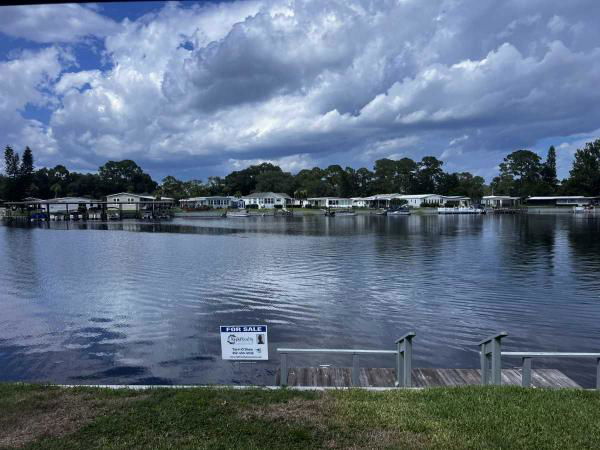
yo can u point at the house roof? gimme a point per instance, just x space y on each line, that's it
382 197
70 199
328 198
267 195
456 197
197 199
562 197
420 195
132 195
499 197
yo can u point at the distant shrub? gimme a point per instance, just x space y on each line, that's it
252 206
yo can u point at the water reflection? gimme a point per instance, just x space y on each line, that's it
140 302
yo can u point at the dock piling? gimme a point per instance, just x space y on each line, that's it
283 372
355 370
526 373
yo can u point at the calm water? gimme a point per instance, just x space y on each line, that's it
140 303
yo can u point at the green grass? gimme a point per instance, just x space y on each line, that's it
33 416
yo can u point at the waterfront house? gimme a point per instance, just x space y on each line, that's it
68 204
212 202
381 200
267 200
359 202
564 200
456 201
330 202
135 202
500 201
411 200
128 201
420 200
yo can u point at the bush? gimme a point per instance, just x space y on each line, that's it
253 206
278 206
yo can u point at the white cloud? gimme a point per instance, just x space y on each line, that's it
54 23
303 82
26 80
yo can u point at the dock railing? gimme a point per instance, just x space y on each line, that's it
404 360
528 356
491 361
403 354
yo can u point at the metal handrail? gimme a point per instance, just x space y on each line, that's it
528 356
491 363
404 360
331 350
552 354
403 354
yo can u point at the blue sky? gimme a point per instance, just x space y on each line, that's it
195 89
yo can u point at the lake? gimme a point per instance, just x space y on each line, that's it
133 302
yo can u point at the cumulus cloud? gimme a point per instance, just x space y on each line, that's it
303 82
54 23
27 80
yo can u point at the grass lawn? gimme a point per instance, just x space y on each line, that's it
35 416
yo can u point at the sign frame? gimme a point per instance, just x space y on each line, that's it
244 342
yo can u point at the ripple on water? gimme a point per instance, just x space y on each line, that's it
143 302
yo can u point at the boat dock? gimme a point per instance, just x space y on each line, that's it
421 378
405 376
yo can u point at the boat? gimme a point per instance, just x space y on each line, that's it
402 211
243 213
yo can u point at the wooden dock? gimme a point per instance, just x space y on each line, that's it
386 377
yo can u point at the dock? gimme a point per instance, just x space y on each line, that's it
421 378
405 376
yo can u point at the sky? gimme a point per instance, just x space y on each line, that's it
195 89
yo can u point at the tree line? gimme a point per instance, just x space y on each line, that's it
522 173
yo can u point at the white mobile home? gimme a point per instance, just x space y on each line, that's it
381 200
418 200
267 200
500 201
214 201
67 204
330 202
456 200
135 202
359 202
565 200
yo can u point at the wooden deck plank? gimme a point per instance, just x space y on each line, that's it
422 377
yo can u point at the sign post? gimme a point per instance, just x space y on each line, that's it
244 343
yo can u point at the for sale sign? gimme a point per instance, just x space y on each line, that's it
244 342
